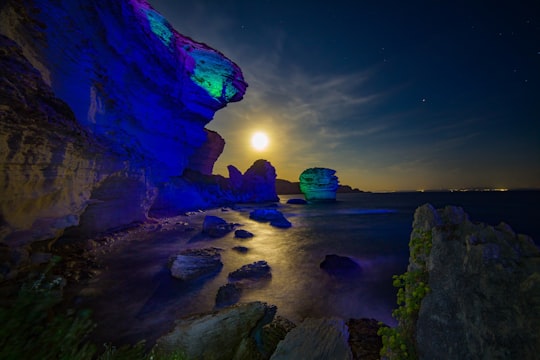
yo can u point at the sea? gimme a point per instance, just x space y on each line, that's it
136 298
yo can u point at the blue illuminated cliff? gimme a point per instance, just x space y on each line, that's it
102 105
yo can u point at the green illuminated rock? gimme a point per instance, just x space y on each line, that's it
319 184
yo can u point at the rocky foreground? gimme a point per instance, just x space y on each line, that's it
483 299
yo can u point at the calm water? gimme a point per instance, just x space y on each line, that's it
137 298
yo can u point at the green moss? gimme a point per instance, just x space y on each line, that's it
399 342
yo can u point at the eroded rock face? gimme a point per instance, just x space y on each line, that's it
51 164
319 184
485 289
102 107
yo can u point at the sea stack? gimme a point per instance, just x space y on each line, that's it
319 184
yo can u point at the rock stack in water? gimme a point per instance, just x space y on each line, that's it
319 184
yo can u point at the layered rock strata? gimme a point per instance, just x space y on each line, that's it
103 107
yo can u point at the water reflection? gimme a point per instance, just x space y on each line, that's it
137 298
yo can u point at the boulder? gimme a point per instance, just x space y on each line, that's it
339 265
215 226
484 281
319 184
193 264
242 234
231 333
256 271
228 295
316 339
275 217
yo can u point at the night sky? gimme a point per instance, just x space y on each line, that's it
394 95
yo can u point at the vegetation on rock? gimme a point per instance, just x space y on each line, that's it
399 342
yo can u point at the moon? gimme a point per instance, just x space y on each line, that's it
259 141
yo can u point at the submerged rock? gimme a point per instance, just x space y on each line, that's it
256 271
339 265
317 339
297 201
484 281
193 264
243 234
231 333
275 217
319 184
215 226
241 249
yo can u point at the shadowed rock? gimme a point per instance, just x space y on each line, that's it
339 265
275 217
363 339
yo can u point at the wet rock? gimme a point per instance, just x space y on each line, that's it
339 265
297 201
241 249
228 295
230 333
256 271
275 217
192 264
363 339
216 227
315 339
243 234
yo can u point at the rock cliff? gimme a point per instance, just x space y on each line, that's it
102 106
484 288
319 184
